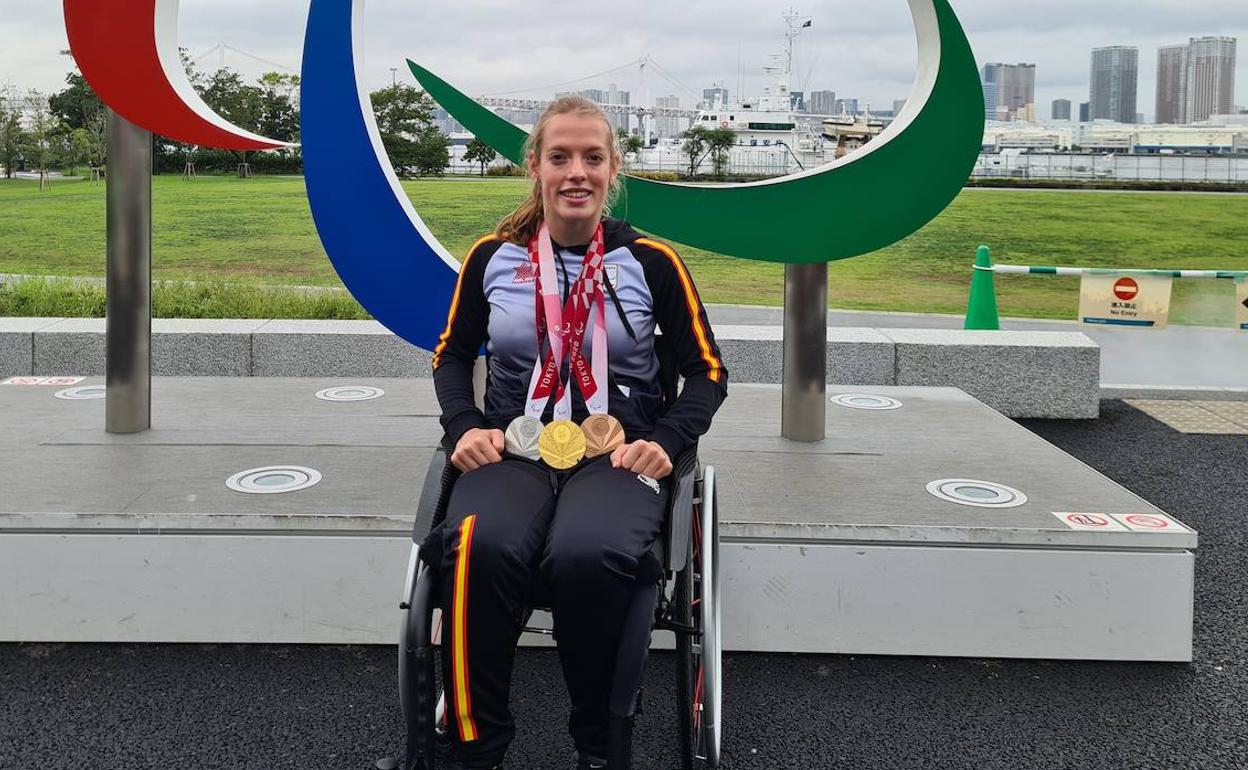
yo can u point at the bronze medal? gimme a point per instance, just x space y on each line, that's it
603 434
562 444
521 437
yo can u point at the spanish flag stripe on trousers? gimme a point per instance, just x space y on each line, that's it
691 299
459 658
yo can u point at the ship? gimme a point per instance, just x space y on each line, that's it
772 138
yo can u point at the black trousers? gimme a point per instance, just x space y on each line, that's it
578 539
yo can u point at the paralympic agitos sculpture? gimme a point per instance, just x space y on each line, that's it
397 269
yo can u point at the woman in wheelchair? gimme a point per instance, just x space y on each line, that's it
565 474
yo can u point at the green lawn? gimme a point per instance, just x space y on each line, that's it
260 231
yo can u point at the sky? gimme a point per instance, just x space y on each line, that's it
491 47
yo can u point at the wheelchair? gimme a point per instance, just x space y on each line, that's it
688 605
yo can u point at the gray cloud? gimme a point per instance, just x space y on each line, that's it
487 46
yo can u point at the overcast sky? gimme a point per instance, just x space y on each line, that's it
862 50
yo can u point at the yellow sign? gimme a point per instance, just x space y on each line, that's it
1125 300
1241 303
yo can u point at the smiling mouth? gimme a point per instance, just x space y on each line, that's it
576 195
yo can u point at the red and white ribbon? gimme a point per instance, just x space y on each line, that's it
564 327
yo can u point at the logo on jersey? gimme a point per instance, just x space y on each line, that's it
524 273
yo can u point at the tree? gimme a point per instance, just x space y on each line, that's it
279 118
237 102
42 138
719 141
479 152
12 136
77 105
630 144
696 143
404 117
83 120
431 154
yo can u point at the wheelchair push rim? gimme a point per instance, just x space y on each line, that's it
708 684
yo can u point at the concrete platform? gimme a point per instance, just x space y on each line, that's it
828 547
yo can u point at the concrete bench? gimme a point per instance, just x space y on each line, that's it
1020 374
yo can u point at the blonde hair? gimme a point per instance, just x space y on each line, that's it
520 225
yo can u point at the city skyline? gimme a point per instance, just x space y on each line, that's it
484 47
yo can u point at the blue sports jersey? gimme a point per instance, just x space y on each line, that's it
648 289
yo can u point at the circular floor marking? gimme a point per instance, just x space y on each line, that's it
82 393
273 479
981 494
350 393
866 401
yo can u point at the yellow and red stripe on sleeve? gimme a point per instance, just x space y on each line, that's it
459 634
459 285
714 367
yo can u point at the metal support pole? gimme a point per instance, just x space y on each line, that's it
128 335
803 395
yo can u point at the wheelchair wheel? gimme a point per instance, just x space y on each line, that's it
418 680
699 676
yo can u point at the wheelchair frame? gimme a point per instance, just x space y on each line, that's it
688 605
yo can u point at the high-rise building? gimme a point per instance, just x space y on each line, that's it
1016 84
990 100
845 106
1171 84
615 95
1061 109
797 101
1210 84
714 97
667 125
821 102
1115 75
1085 112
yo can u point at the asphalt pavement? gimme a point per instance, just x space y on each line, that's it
131 707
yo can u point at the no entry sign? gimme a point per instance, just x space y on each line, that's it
1125 300
1126 288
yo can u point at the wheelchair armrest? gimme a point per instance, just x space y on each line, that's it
434 493
680 508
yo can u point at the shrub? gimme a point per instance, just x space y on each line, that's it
658 176
509 170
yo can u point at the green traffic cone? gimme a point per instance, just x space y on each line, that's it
981 308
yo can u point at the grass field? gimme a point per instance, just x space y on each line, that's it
223 232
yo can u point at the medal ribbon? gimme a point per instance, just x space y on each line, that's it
565 327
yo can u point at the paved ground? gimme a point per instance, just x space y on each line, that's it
1176 357
212 706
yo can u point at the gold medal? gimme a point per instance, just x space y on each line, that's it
603 434
562 444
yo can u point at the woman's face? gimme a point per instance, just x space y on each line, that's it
575 169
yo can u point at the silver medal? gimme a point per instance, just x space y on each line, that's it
522 435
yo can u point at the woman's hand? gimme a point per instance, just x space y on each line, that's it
477 447
644 458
